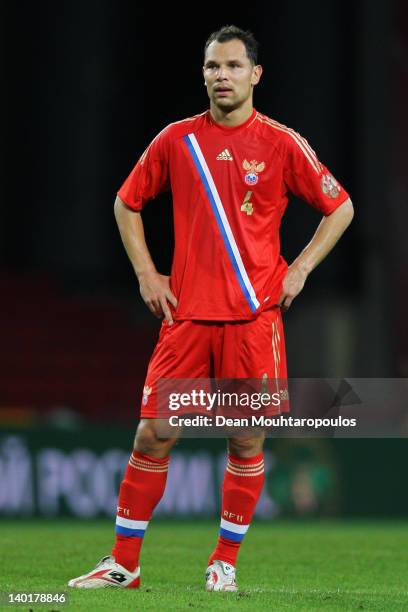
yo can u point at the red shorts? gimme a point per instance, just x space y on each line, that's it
223 350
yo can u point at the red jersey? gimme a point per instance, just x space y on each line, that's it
230 189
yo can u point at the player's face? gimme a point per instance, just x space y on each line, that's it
229 74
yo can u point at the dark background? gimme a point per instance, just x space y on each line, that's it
86 86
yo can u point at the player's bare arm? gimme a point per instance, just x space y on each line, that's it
327 234
154 287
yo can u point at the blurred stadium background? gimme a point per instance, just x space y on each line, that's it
86 87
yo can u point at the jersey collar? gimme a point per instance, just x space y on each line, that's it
234 128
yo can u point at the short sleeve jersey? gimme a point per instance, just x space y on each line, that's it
230 189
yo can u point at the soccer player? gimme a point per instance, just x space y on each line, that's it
230 170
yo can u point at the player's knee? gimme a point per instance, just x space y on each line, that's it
147 440
245 447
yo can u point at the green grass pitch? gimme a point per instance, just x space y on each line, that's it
282 566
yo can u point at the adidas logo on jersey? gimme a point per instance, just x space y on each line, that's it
225 155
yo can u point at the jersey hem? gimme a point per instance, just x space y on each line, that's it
337 204
137 208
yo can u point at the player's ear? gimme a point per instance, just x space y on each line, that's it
256 74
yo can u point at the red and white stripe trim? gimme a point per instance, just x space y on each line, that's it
276 352
246 468
148 466
251 469
251 122
275 348
300 141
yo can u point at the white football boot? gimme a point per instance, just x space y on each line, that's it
220 576
107 574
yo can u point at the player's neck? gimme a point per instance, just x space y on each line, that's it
232 118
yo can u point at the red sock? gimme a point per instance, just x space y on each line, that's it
140 492
241 489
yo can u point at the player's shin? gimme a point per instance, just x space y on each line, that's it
241 489
140 491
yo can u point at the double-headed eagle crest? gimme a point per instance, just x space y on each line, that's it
253 166
252 169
